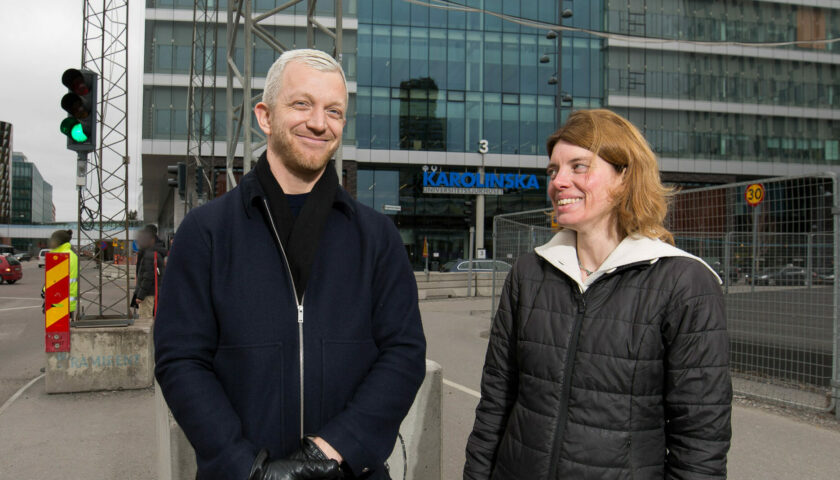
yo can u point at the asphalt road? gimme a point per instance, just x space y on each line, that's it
21 330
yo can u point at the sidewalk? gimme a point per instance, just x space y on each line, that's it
110 435
85 436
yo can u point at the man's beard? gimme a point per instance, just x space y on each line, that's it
306 163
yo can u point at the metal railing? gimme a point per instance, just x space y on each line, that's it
778 261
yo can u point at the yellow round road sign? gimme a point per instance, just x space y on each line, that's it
754 194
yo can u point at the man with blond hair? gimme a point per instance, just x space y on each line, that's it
288 338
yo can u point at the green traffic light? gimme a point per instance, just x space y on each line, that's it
77 133
74 129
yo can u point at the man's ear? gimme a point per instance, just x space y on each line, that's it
263 114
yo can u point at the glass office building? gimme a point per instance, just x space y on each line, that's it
31 194
723 96
718 105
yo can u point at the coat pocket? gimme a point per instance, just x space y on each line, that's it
253 379
346 363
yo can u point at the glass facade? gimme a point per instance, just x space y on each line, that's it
439 218
436 81
764 103
459 76
31 195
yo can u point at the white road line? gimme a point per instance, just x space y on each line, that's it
18 308
458 386
17 394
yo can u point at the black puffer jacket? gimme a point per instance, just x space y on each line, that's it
628 380
146 272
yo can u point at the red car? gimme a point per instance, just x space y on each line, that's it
10 270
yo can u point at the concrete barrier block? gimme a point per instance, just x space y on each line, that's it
103 358
416 455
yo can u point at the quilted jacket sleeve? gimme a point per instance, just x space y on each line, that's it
498 387
698 390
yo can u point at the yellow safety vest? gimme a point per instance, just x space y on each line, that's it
74 272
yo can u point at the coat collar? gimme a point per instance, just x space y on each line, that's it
561 252
63 248
252 192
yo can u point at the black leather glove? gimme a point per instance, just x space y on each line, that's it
289 469
308 451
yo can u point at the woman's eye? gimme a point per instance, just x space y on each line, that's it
580 167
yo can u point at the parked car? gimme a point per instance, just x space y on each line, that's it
789 275
42 257
478 266
824 276
23 256
734 273
7 250
10 270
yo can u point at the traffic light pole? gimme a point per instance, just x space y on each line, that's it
102 174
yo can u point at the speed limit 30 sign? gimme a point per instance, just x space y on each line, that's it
754 194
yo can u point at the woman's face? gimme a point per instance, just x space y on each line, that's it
580 188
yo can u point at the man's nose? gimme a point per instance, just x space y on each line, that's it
317 121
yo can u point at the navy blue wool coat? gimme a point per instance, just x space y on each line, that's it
226 336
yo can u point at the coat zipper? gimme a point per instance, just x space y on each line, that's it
299 305
568 371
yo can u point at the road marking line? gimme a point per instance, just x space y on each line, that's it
18 308
458 386
17 394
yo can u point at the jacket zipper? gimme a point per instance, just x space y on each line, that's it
568 371
299 305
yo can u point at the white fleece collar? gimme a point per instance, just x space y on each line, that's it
561 252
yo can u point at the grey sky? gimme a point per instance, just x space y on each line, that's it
41 39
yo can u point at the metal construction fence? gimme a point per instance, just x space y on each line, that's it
773 243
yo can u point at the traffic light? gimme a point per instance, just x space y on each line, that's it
80 103
199 181
180 180
468 212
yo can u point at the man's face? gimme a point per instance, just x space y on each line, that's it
142 239
304 127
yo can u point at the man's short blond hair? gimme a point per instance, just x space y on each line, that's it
311 58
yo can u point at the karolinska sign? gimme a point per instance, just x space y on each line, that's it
469 183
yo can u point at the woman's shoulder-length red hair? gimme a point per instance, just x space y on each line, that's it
642 201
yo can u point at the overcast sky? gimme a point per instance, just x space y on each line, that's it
41 39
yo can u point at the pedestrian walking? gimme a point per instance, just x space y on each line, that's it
288 341
608 357
151 258
59 242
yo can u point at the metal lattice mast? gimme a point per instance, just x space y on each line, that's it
103 200
239 114
201 99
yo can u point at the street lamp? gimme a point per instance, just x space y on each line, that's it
555 79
